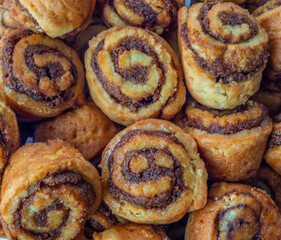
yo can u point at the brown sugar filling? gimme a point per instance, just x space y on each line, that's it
52 71
153 172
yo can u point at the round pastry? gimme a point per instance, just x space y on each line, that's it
133 74
86 128
152 173
80 44
132 231
7 23
157 16
273 153
60 18
231 142
100 220
40 77
9 134
269 16
270 96
48 191
224 51
235 211
269 181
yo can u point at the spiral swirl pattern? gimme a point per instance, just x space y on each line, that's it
133 74
153 166
157 15
40 71
56 189
235 211
224 46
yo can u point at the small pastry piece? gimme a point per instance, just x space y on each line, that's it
60 18
269 16
133 74
9 134
157 16
231 142
270 96
40 77
86 128
7 23
48 191
267 180
152 173
81 42
224 51
235 211
132 231
100 220
273 154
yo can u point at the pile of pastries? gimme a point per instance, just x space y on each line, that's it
145 120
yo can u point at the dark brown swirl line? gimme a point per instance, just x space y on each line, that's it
153 172
53 181
52 71
130 74
142 8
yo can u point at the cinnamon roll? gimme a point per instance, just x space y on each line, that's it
133 74
100 220
132 231
86 128
152 173
273 153
60 18
9 134
7 23
40 77
269 16
224 51
157 16
231 142
235 211
267 180
48 191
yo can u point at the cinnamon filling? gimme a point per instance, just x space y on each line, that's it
274 140
230 127
53 71
218 68
72 180
142 8
136 74
152 173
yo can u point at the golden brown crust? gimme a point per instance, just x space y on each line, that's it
132 231
272 154
269 16
224 51
152 173
157 16
267 180
9 132
61 18
231 142
55 187
86 128
133 74
235 211
40 77
7 23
